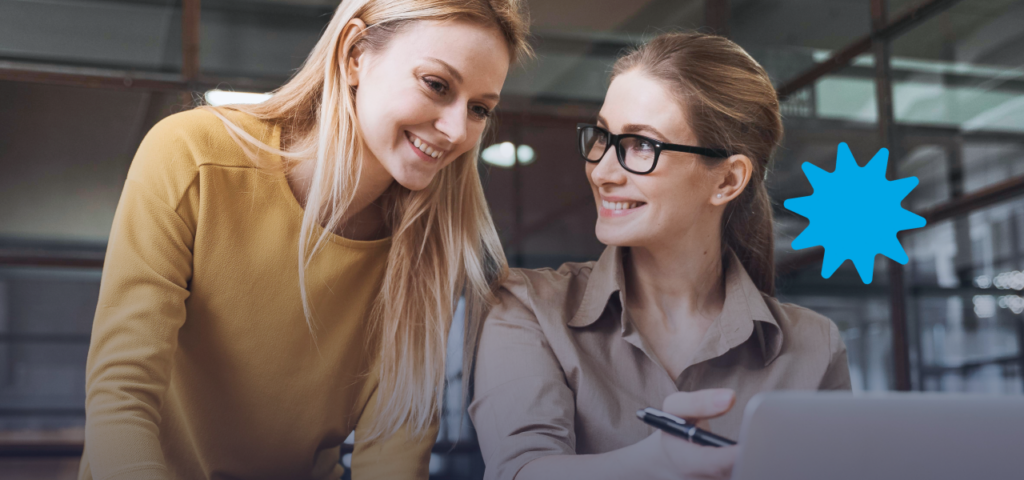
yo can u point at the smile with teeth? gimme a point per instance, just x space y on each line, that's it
620 205
424 147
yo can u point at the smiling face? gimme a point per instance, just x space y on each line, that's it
675 201
424 99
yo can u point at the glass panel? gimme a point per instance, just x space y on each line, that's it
45 321
788 38
991 159
266 38
966 279
577 41
963 68
144 35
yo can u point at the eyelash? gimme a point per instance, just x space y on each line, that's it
486 113
438 87
441 89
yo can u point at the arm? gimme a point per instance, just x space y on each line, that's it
837 375
524 413
522 408
659 456
405 455
141 308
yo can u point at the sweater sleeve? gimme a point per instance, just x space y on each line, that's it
402 456
146 274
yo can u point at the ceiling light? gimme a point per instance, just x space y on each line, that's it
505 154
217 98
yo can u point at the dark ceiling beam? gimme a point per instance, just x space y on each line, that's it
38 257
190 11
844 56
124 79
716 16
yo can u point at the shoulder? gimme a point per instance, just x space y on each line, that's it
804 329
168 162
198 137
551 296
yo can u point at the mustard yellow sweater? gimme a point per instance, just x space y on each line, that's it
201 364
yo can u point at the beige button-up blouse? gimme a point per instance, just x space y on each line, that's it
562 370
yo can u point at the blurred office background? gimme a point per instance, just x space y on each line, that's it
938 82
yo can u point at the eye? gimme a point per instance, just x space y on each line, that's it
643 146
438 86
480 111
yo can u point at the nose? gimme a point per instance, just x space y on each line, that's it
452 123
608 171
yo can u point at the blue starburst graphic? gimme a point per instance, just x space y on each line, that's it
855 213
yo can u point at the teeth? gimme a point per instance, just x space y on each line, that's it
619 205
425 148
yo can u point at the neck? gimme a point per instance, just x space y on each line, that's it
680 284
364 219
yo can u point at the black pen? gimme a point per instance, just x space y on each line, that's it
681 428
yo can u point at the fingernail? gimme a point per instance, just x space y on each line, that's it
723 399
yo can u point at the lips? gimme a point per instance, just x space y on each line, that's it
427 149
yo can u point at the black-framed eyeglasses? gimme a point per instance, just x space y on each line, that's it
637 154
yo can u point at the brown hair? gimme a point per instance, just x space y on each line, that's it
730 103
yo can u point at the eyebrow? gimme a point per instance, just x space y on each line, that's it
458 76
635 128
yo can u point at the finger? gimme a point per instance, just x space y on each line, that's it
718 462
698 461
700 404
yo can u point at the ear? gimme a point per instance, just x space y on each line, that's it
732 176
350 56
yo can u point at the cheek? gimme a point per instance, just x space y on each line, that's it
384 113
475 130
678 201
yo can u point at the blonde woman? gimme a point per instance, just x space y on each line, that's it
282 274
678 313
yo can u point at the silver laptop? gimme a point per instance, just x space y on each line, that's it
905 436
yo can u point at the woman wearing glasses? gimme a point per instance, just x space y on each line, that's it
678 312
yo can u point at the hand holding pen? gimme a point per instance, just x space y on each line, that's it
681 428
689 459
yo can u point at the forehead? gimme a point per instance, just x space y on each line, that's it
635 98
476 50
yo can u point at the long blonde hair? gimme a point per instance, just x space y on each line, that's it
443 238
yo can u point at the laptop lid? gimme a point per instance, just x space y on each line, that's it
841 436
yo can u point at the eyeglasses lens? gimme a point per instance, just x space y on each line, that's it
639 154
593 143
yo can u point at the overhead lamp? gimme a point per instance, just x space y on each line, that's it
506 154
217 97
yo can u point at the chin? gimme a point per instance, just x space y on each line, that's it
615 237
414 183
